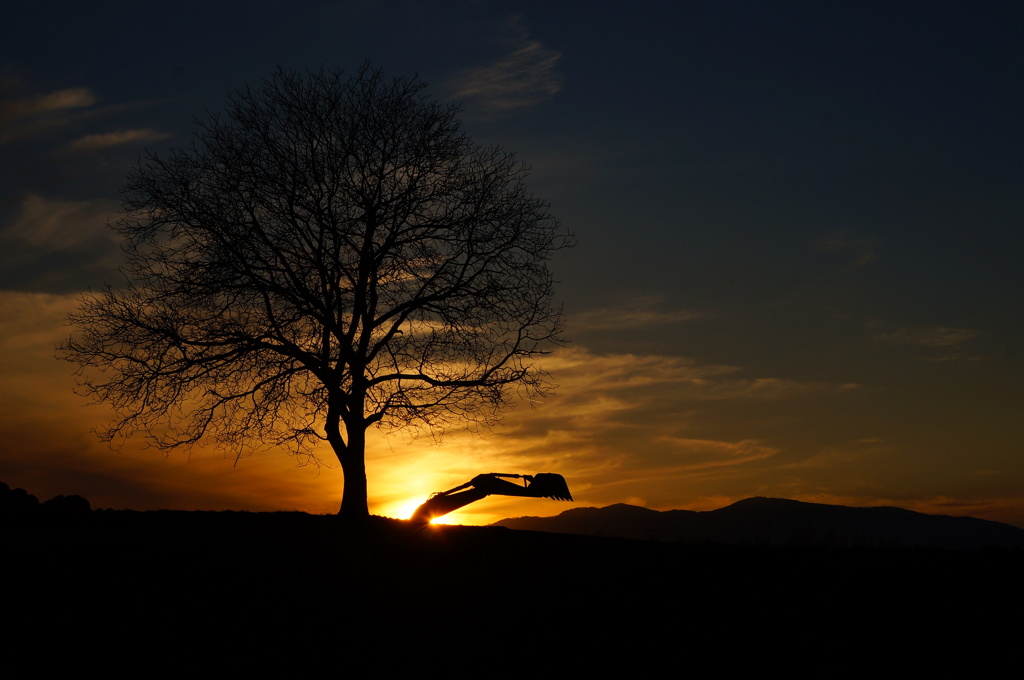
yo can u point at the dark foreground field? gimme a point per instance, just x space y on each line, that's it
508 589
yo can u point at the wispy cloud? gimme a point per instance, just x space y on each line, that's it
641 313
23 116
929 336
54 225
937 343
591 374
704 455
108 139
523 76
30 325
72 98
860 249
56 246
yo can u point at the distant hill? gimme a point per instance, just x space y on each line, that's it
780 522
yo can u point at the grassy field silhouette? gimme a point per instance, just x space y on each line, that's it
387 580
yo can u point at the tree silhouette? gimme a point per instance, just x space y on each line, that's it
330 253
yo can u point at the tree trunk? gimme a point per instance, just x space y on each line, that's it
353 465
352 456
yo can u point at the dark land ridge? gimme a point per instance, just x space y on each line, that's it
782 523
174 575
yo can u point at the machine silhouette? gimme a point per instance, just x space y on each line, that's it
541 485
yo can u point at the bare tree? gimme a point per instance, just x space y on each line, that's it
330 253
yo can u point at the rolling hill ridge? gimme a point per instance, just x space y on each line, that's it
780 522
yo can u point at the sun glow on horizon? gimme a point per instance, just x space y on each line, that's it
405 509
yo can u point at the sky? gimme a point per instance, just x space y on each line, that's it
798 269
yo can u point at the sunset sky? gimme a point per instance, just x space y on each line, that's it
798 271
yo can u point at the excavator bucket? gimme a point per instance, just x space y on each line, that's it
550 485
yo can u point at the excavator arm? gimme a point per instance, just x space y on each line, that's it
541 485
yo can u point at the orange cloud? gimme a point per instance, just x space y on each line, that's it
21 117
72 98
523 76
108 139
55 225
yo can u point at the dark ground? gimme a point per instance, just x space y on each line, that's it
591 597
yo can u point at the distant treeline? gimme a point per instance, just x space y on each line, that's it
19 501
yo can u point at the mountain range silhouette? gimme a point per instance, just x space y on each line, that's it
774 522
